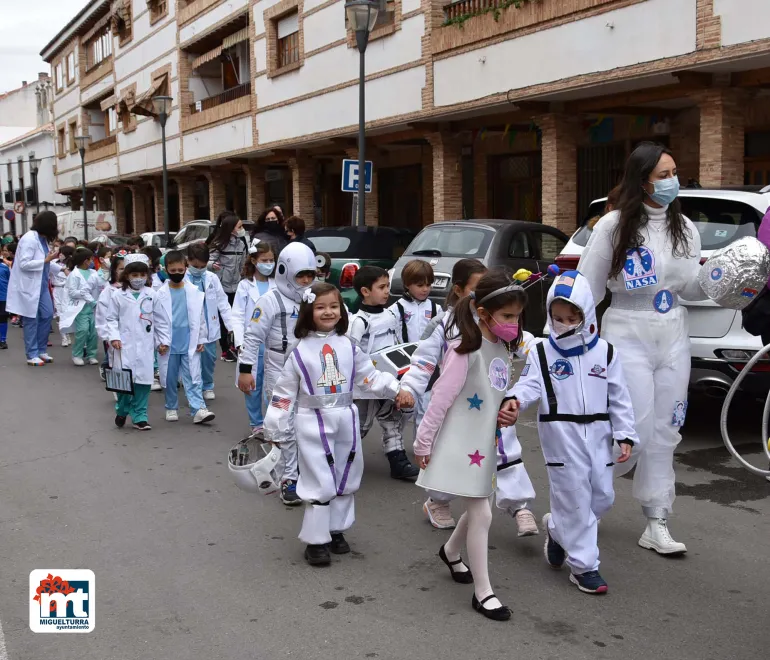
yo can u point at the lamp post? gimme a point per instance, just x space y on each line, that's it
82 142
162 106
362 15
34 166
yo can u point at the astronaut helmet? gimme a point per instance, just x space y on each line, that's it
293 259
253 465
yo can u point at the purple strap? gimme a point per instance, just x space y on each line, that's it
353 377
344 481
500 447
303 370
325 442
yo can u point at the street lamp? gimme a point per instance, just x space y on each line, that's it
34 166
362 15
82 142
162 106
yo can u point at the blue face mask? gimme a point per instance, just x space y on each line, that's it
195 273
666 190
265 268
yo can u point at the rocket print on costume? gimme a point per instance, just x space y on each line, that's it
332 379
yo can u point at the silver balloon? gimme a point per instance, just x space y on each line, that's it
733 276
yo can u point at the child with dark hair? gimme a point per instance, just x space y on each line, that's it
462 420
103 305
102 262
374 328
59 286
257 281
6 261
414 309
317 382
216 309
83 289
156 262
323 263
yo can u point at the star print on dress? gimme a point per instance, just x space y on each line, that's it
476 458
475 402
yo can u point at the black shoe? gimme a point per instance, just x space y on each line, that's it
289 493
501 613
463 577
3 345
339 546
120 421
318 555
400 467
142 426
229 356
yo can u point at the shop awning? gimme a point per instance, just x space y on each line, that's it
120 13
109 102
207 57
228 42
143 103
241 35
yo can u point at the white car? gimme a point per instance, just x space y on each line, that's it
157 238
720 347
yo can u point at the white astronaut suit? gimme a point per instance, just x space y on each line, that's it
513 488
317 383
584 407
272 324
648 325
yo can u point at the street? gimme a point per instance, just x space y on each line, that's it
188 566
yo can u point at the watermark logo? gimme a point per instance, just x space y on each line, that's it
61 601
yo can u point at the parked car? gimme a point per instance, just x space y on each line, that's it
512 243
351 248
720 347
158 238
197 231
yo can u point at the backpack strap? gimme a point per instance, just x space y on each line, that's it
546 374
432 309
282 315
404 329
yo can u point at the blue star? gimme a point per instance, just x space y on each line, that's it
475 402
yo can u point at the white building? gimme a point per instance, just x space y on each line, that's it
23 148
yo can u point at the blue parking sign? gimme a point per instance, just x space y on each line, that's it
350 176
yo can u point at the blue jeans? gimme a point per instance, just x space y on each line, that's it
254 398
37 328
208 361
179 365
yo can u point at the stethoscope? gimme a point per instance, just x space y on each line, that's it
145 313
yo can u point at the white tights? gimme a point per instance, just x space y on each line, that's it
473 531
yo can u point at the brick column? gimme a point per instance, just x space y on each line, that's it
255 190
186 187
75 201
721 137
427 186
480 190
447 177
303 183
685 143
559 153
137 202
104 199
157 191
217 195
120 209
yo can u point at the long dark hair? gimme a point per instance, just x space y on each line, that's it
225 226
631 196
261 222
306 325
116 260
464 325
461 274
46 224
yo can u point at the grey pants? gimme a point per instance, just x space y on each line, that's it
391 420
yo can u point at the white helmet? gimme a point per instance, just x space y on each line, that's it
253 466
294 258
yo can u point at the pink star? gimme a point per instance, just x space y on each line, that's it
476 458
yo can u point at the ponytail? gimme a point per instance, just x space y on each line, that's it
464 324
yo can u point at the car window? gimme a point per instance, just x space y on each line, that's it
720 221
181 236
519 247
453 241
331 244
548 246
196 233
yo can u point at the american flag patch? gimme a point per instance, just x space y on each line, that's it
278 402
426 366
566 280
428 314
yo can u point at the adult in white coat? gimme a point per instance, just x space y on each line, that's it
648 254
133 332
28 294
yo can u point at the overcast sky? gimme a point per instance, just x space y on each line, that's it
25 27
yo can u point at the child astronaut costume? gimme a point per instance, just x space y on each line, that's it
584 407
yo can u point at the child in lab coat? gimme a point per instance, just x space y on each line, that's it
83 289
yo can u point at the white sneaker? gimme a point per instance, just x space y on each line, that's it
78 362
439 514
208 395
93 361
155 387
203 416
526 523
172 416
657 537
65 341
45 358
35 362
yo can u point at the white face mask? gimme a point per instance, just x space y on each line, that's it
560 328
137 284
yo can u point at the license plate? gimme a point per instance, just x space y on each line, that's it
440 282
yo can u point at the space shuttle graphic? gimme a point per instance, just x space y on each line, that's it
331 377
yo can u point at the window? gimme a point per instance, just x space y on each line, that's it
73 132
30 194
10 172
387 13
20 191
520 248
71 68
550 246
111 121
60 142
720 221
99 48
59 77
120 21
288 39
158 9
452 241
9 193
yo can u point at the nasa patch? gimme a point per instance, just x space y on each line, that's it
598 371
716 274
664 301
639 270
294 313
498 374
408 316
561 369
256 315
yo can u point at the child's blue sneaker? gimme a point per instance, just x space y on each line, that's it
554 553
590 582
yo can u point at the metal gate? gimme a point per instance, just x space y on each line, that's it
600 168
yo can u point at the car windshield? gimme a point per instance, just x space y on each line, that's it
332 245
452 241
118 240
159 240
718 221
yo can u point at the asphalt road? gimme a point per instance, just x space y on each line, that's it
187 566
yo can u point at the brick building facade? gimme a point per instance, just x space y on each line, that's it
524 112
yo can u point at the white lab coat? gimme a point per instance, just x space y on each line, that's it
217 304
26 275
102 307
123 322
163 319
246 296
79 292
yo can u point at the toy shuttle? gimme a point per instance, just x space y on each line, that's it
331 376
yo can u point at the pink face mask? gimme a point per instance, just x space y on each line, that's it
505 331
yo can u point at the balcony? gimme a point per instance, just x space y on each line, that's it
219 99
102 149
230 103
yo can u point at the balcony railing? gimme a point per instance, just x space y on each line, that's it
218 99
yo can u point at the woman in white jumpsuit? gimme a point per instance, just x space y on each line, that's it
648 255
